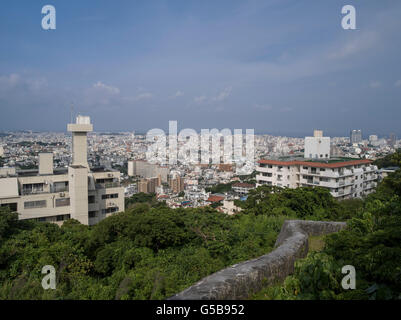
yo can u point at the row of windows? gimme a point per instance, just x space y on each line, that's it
62 202
61 217
35 204
110 196
110 210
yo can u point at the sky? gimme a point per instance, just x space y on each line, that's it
283 67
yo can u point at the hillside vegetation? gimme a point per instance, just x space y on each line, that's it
152 252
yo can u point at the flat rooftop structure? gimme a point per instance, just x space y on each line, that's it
35 172
103 169
57 171
332 163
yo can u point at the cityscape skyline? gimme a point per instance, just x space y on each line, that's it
279 67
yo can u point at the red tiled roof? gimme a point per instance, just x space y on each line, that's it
215 198
316 164
243 185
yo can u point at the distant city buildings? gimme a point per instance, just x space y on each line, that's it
176 183
55 195
373 139
122 154
392 139
145 169
356 136
149 185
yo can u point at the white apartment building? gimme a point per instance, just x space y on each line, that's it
344 179
145 169
242 188
317 147
55 195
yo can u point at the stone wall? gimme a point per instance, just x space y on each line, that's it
243 279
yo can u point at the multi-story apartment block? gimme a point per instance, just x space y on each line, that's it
149 185
176 183
344 179
55 195
145 170
355 136
242 188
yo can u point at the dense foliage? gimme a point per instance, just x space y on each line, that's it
151 251
304 203
371 243
391 160
143 253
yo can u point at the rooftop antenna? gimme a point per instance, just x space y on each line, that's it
71 116
72 111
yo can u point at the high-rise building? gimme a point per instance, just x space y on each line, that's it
373 139
317 147
176 183
392 139
356 136
55 195
149 185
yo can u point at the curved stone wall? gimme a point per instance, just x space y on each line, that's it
243 279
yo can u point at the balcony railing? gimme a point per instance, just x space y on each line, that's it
107 185
29 192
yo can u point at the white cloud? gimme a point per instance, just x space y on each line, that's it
375 84
10 80
398 83
223 95
109 89
143 96
19 85
357 44
179 93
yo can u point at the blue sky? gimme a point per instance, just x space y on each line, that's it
276 66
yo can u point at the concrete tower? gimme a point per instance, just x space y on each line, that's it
79 131
79 168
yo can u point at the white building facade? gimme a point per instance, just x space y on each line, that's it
345 179
317 147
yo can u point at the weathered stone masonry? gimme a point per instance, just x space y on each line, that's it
241 280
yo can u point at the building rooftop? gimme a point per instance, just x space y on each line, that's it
333 163
56 171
